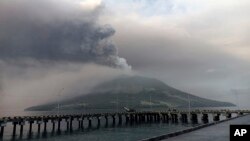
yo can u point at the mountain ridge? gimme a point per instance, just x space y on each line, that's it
133 91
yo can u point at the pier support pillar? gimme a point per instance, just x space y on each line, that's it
79 123
67 123
120 119
194 118
158 117
150 118
205 118
90 123
2 125
2 131
45 121
127 119
229 115
98 122
21 123
113 117
142 118
147 118
71 122
30 126
82 119
174 118
165 118
184 118
53 125
39 126
107 121
216 117
14 128
59 125
131 118
136 118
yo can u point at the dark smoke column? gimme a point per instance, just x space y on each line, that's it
52 31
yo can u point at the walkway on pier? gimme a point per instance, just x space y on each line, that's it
218 132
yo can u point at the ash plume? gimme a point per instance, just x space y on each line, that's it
47 45
53 30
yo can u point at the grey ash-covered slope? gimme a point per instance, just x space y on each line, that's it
133 91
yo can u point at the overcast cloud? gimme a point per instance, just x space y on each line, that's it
198 46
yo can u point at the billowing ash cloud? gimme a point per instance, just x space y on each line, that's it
56 30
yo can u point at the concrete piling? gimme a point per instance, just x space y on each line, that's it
53 125
21 123
184 118
2 131
174 118
228 115
98 122
39 126
71 122
14 128
216 117
2 125
67 123
119 119
113 117
45 120
59 125
127 119
194 118
205 118
31 121
106 120
82 118
165 117
90 122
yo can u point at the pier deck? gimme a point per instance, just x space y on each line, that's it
218 132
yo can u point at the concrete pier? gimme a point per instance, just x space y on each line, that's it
217 132
134 118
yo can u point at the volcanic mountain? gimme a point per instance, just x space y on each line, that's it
134 92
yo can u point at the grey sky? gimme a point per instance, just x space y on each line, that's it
197 46
201 47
